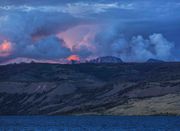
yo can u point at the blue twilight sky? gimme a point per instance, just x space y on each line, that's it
52 30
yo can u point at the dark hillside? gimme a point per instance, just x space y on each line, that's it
109 89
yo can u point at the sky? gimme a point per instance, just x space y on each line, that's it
56 30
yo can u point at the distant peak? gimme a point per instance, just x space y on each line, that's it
106 59
151 60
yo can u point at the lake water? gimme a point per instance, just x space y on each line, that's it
89 123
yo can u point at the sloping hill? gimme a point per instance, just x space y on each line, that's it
109 89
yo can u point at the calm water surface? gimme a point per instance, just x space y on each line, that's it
88 123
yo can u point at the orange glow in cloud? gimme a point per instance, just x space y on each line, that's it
76 37
5 48
73 58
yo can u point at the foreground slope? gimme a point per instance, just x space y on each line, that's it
108 89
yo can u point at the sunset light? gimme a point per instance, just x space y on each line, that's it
5 48
73 58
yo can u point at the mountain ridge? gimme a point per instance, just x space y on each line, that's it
106 59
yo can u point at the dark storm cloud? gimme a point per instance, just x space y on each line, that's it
48 48
134 30
33 30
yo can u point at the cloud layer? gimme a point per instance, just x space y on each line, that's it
133 30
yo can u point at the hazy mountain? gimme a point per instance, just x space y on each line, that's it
106 59
154 61
108 89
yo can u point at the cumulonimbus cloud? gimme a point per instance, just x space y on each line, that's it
136 48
